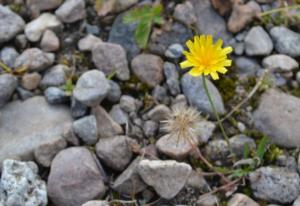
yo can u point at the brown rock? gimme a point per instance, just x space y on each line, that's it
31 81
50 41
148 68
222 6
75 178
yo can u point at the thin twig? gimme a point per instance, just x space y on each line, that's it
279 10
249 96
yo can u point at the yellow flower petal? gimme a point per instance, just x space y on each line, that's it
185 64
195 72
214 75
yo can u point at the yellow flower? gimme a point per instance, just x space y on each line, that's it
206 57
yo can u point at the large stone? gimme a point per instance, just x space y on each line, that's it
21 185
111 58
275 184
91 88
8 84
10 25
286 41
280 62
258 42
75 178
148 68
166 177
278 117
209 21
194 91
20 137
71 11
35 29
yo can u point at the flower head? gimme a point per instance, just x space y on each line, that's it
206 57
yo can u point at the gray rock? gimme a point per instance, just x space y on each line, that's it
69 135
240 199
111 58
11 24
8 84
238 48
209 21
258 42
50 42
123 34
88 42
217 150
35 29
107 127
286 41
118 115
75 178
166 177
71 11
128 104
23 93
114 93
109 150
55 76
279 121
21 184
174 51
247 66
239 142
150 128
275 184
8 56
21 41
158 113
78 109
172 77
287 161
96 203
193 89
42 5
86 129
91 88
206 130
55 95
34 59
280 62
148 68
208 200
108 6
297 202
129 182
185 13
31 81
19 140
45 153
160 94
179 101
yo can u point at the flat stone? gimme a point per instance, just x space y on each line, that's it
10 25
75 178
111 58
71 11
35 29
19 140
279 121
166 177
8 84
280 62
42 5
275 184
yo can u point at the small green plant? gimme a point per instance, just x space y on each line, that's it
145 17
19 71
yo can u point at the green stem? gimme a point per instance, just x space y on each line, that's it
216 113
5 67
280 9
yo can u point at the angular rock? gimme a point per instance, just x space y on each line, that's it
78 109
242 15
35 29
71 11
115 151
86 129
34 59
75 178
118 115
55 76
111 58
107 127
21 184
258 42
8 56
19 140
88 42
10 25
286 41
275 184
49 42
8 84
280 62
148 68
240 199
31 81
129 182
279 121
91 88
185 12
166 177
193 89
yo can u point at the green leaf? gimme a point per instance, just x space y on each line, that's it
262 148
246 151
240 172
142 33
